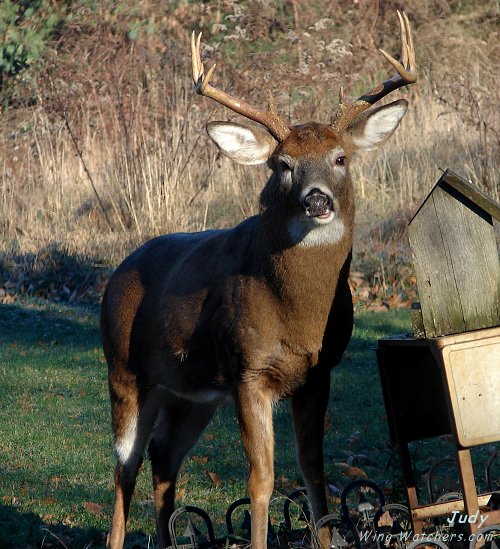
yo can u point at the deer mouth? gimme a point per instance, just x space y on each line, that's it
318 204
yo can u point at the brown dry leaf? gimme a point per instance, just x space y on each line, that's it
11 500
68 520
354 472
49 519
93 508
215 478
180 493
209 436
48 501
386 519
334 500
356 279
285 483
394 301
200 459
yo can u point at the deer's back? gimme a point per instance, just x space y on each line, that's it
195 313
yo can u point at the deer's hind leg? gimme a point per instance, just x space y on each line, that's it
133 417
179 425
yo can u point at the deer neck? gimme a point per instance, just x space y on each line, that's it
304 277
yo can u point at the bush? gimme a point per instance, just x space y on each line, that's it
25 28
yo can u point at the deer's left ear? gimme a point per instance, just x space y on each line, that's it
372 128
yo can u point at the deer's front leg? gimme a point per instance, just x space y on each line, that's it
309 408
256 424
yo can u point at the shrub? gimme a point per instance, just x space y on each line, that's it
25 28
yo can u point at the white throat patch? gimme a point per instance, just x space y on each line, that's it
316 232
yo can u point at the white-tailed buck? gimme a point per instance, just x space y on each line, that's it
256 313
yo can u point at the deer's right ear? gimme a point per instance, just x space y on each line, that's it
243 144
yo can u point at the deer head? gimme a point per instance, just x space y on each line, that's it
310 162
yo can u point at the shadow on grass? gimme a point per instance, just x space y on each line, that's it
25 530
21 530
370 326
55 274
38 322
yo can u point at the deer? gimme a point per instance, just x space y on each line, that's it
251 314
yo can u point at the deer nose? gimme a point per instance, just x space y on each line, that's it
316 203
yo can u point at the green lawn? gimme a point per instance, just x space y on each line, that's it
56 458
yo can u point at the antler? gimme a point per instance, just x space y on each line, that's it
406 74
270 118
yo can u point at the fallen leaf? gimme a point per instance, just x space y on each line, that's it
200 459
355 280
394 301
11 500
285 483
48 519
48 501
180 493
386 519
354 472
334 500
215 478
93 508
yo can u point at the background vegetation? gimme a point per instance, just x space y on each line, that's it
102 140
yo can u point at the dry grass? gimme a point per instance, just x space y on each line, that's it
107 154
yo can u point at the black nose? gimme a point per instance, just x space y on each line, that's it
317 203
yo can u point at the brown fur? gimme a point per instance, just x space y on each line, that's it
189 319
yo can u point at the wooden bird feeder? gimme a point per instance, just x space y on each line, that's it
455 254
445 379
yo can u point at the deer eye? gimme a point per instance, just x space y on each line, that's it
340 160
284 166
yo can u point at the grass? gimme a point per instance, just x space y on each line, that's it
56 440
56 455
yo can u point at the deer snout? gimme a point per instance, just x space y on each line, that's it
317 203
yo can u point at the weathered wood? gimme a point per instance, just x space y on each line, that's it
456 260
472 193
472 373
446 508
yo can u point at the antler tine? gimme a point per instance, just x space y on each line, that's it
270 119
403 25
406 74
407 68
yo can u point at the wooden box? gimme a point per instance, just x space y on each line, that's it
445 385
456 262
